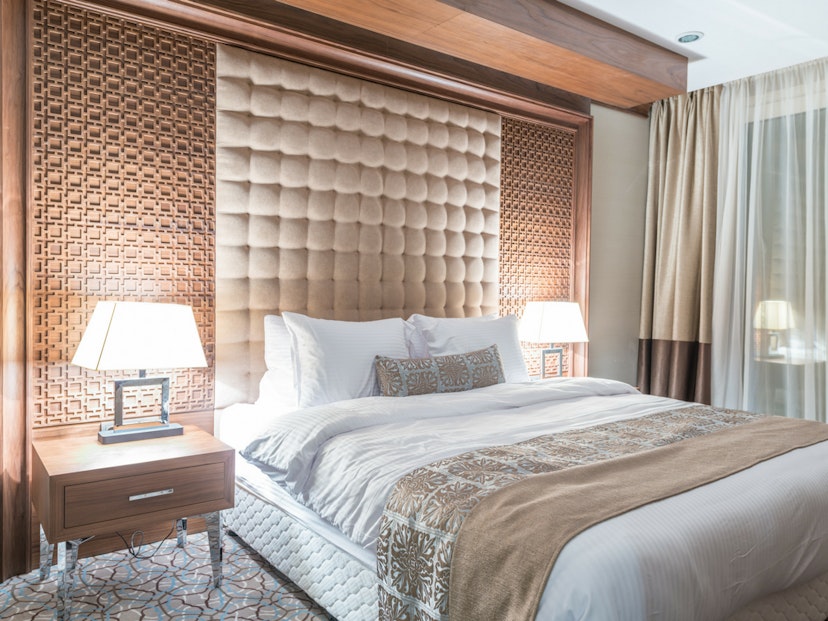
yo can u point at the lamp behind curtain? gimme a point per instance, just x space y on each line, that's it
676 305
771 248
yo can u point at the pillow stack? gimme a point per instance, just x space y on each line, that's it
317 361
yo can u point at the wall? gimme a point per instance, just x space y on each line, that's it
106 178
619 189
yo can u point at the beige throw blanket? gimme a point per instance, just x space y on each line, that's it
493 549
419 551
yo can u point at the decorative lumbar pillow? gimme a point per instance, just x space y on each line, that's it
402 377
334 360
455 336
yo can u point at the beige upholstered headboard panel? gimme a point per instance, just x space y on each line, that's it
344 199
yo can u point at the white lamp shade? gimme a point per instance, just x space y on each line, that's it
552 322
773 315
140 335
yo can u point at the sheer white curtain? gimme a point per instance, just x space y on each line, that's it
769 300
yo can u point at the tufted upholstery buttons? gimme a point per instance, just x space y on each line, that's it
344 199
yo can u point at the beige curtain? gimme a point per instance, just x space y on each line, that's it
676 305
770 316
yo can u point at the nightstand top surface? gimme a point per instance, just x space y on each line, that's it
74 454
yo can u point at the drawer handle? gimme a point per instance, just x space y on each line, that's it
160 492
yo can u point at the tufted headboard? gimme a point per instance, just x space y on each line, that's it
341 198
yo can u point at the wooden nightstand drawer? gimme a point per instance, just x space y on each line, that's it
142 494
81 487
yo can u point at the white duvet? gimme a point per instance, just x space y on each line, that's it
701 555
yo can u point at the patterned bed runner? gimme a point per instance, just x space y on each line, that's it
418 539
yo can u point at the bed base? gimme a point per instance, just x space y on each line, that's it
348 590
333 579
806 602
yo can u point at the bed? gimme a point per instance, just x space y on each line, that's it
324 462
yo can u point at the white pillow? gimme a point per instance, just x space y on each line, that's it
334 360
458 336
417 344
276 389
277 385
277 343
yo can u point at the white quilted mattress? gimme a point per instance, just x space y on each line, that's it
337 573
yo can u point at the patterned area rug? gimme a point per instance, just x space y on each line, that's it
173 584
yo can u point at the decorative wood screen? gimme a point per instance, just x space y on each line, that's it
537 200
123 198
122 195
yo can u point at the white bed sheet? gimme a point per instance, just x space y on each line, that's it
701 555
237 425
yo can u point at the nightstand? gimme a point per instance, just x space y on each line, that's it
81 488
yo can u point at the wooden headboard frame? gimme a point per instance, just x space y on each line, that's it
294 34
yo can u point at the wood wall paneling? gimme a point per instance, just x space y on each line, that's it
544 220
14 427
123 196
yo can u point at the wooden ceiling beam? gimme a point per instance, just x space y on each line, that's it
582 34
540 40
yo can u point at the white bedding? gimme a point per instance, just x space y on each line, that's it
255 480
700 555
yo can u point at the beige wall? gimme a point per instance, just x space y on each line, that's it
619 186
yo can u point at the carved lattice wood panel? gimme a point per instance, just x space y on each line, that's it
537 193
122 196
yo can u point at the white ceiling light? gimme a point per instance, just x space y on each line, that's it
689 37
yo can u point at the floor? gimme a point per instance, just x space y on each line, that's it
172 583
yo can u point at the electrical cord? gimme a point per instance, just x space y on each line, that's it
130 546
136 553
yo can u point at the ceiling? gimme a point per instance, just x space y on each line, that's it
741 37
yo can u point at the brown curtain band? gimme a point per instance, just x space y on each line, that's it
676 369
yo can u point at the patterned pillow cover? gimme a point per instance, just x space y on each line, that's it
402 377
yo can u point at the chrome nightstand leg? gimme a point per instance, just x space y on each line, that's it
46 551
67 560
214 537
181 532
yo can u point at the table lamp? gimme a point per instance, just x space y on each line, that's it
140 335
772 317
552 322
